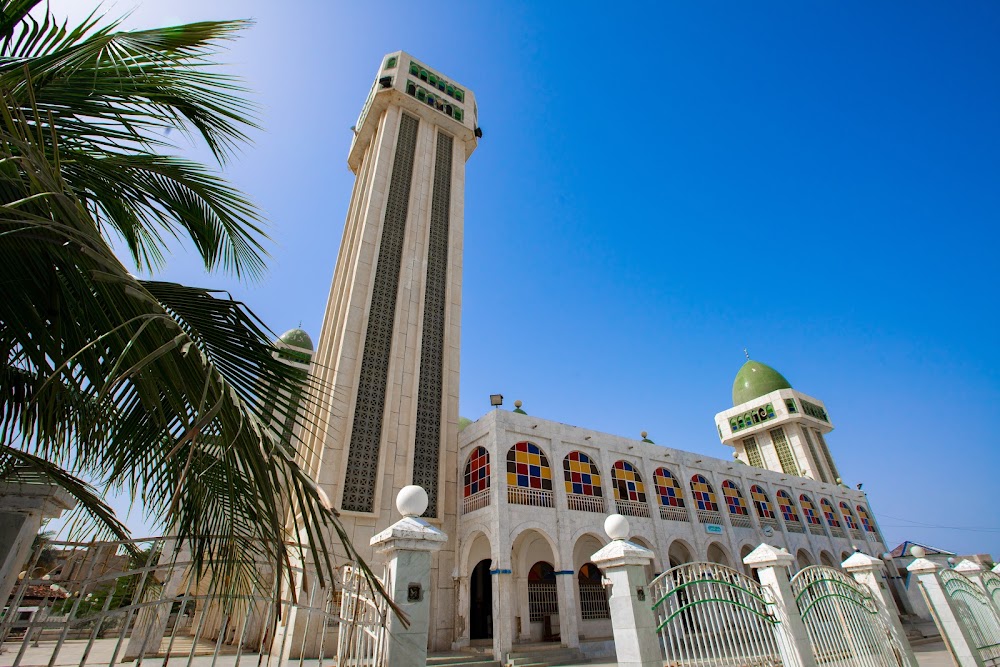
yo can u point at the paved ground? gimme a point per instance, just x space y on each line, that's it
72 654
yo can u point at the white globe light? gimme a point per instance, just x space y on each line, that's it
917 552
616 526
411 501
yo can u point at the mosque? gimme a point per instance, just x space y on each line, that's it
523 499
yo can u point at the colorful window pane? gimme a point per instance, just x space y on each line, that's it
761 502
528 467
734 499
866 520
809 510
849 519
788 512
667 488
627 483
581 475
704 495
831 516
590 574
477 471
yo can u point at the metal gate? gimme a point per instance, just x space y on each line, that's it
991 580
847 626
709 614
105 603
976 612
363 617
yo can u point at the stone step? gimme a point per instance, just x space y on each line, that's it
462 660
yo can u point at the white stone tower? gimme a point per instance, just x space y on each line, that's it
775 427
389 348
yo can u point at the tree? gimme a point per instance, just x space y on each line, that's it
150 388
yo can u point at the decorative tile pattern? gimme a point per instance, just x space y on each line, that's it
826 454
814 410
788 512
809 510
866 520
528 467
849 519
752 449
366 431
815 456
627 483
734 499
427 443
703 494
752 417
477 472
763 504
667 488
831 516
581 475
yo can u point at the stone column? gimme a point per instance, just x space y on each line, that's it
952 630
24 503
407 546
868 571
624 563
151 622
569 624
772 564
504 602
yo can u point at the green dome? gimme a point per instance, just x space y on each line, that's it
756 379
297 338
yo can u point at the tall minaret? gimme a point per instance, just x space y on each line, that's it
776 427
389 348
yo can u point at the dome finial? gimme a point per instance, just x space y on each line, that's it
746 353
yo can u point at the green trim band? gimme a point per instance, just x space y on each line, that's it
710 581
767 617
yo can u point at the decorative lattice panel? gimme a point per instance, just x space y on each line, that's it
427 446
366 433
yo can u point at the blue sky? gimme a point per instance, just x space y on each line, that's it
663 184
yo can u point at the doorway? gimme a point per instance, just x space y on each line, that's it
481 602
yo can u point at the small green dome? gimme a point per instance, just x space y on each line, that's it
297 338
756 379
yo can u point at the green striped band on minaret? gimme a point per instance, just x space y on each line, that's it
427 445
366 433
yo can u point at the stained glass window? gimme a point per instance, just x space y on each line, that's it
788 512
528 467
809 510
667 488
761 502
831 516
477 471
866 520
734 499
849 519
627 482
704 494
582 476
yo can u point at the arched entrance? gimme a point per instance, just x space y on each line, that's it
543 600
481 602
803 559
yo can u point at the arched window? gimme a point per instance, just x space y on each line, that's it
667 488
831 516
849 519
527 467
763 504
788 512
627 482
734 499
866 520
809 510
703 494
593 595
477 472
582 476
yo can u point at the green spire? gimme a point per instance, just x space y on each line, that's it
754 380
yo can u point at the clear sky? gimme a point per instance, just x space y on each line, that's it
663 184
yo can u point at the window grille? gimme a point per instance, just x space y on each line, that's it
542 600
753 452
784 451
594 602
815 455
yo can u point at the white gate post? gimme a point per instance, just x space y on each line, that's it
771 565
407 546
952 630
868 572
972 570
624 563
